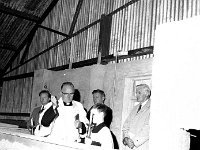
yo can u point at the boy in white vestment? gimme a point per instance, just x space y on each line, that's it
100 135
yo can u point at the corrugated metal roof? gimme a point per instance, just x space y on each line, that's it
4 57
17 19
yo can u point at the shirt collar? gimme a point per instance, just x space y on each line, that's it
61 102
46 106
143 103
67 104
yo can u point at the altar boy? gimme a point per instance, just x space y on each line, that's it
100 135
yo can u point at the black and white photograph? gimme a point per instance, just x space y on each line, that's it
99 74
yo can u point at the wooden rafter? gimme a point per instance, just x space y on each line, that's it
18 14
52 30
28 17
45 14
78 8
30 38
74 34
105 60
104 35
20 76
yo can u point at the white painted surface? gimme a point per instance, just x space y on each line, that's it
175 84
13 140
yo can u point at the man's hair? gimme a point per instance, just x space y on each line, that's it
99 91
146 88
68 84
45 92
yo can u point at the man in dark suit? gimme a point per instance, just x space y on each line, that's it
33 122
98 97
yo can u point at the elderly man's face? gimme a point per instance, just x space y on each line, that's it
140 95
98 98
67 93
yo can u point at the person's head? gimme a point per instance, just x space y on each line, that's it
143 92
98 96
99 111
67 90
45 97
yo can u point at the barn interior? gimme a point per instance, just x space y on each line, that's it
102 44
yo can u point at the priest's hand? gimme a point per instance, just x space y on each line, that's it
54 101
77 124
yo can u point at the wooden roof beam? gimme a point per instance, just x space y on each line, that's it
52 30
28 17
19 14
78 8
74 34
45 14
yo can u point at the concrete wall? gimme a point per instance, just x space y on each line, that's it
112 78
85 80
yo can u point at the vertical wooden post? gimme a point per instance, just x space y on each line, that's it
104 37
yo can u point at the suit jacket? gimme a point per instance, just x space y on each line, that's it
49 115
136 127
35 117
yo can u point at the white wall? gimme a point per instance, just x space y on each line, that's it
175 84
110 78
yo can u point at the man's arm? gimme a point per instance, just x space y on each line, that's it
49 116
126 126
82 114
82 121
31 123
125 132
88 113
28 123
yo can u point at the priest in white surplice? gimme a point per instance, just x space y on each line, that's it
71 116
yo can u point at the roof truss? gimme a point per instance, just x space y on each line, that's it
38 22
72 34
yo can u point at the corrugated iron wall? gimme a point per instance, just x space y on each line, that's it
133 27
16 97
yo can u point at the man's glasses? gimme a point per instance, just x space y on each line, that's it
68 93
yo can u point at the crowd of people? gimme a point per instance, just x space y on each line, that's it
66 120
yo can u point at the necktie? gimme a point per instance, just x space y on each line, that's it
139 108
41 110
